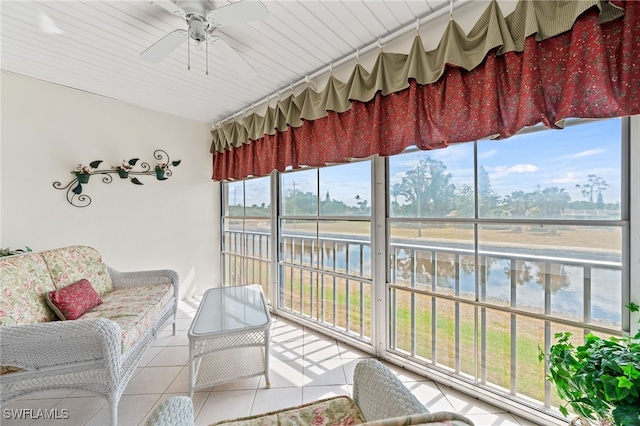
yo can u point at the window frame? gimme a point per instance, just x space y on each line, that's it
380 244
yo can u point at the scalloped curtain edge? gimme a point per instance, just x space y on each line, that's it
392 72
589 72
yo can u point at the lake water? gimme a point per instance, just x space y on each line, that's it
566 281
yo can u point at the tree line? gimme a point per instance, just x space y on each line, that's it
427 190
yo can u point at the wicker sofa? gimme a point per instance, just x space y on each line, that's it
379 399
97 352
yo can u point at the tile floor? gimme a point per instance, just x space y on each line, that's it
305 366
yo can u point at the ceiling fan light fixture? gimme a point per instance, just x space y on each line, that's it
197 28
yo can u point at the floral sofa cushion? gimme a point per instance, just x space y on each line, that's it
24 281
68 265
340 410
133 309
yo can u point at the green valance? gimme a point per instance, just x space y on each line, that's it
392 72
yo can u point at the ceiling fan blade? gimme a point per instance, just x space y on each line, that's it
238 13
163 47
170 7
237 62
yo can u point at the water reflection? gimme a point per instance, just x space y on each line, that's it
421 267
352 257
416 268
527 272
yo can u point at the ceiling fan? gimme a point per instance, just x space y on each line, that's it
203 20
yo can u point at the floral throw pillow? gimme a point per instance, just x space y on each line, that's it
72 301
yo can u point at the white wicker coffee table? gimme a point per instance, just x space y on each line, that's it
229 337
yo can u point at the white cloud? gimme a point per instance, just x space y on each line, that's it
589 153
502 171
567 177
523 168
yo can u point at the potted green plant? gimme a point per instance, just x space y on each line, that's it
600 379
82 173
160 170
124 169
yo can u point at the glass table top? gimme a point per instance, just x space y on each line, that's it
229 309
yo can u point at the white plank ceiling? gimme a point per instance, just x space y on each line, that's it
94 46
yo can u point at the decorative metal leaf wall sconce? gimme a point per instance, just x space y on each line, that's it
126 170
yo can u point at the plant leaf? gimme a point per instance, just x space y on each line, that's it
630 371
135 181
623 382
627 415
133 161
77 189
541 354
95 164
564 411
176 163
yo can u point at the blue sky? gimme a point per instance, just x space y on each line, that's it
561 158
342 182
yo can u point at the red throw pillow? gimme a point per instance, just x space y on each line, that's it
74 300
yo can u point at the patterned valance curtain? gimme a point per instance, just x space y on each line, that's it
545 62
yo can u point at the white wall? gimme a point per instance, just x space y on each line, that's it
48 129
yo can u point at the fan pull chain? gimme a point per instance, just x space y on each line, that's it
206 54
188 53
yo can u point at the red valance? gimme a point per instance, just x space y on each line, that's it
592 71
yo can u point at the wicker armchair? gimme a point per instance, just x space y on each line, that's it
176 411
381 395
84 354
381 398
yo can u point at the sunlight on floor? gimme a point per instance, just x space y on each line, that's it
305 366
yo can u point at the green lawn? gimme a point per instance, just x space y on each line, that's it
530 334
327 299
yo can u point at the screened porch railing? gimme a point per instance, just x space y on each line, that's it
483 324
